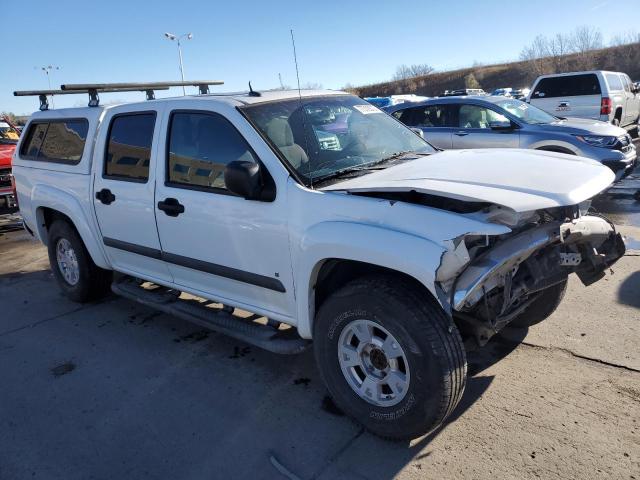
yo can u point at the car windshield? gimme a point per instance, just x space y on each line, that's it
526 112
322 137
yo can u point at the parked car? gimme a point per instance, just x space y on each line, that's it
520 93
505 92
598 95
8 140
386 252
498 122
464 92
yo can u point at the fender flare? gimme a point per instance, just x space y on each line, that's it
45 196
403 252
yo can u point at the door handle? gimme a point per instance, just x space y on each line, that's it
171 207
461 133
105 196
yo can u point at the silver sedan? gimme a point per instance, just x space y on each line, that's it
499 122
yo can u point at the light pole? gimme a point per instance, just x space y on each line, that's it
47 70
177 38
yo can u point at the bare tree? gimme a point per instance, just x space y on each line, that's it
404 72
586 38
627 38
471 82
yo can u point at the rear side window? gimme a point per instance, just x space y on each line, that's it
129 147
200 147
56 141
567 86
613 80
432 116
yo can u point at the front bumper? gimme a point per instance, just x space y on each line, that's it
622 163
590 242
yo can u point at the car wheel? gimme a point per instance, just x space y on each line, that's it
390 357
615 122
78 277
542 307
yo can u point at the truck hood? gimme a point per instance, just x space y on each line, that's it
582 126
522 180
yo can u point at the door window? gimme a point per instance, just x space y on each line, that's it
429 116
201 145
613 79
475 116
129 147
567 86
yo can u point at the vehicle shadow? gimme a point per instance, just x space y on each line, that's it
156 394
629 291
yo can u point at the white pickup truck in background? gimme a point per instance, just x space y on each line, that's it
598 95
327 220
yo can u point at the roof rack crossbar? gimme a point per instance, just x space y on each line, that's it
94 99
93 89
201 84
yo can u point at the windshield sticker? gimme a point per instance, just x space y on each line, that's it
524 106
367 109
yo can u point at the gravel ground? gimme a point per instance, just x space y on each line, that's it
115 390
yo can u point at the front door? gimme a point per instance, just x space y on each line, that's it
475 129
124 185
227 248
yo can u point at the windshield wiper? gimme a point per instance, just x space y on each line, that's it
363 167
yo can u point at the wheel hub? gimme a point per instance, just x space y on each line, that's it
67 261
373 363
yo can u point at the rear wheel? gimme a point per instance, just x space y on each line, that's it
542 307
78 277
389 356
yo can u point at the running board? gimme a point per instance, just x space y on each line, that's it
266 336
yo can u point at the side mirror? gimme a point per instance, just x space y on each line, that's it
417 131
243 178
501 125
635 88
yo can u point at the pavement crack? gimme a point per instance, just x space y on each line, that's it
45 320
584 357
337 454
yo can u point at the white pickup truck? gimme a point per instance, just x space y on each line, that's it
324 218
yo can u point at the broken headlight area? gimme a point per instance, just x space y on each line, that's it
506 274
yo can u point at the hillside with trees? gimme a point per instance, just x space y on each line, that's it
580 50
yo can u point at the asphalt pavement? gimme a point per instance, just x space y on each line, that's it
113 390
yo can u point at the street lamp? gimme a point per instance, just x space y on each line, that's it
177 38
47 70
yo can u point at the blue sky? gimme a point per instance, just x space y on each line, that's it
338 42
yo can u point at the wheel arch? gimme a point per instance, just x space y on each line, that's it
329 262
51 205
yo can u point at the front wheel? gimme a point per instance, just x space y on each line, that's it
78 277
542 307
390 357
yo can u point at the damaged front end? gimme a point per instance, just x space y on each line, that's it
491 280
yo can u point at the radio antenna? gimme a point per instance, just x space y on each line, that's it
304 126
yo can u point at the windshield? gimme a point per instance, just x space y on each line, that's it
526 112
322 136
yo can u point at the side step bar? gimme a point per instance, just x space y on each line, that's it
267 337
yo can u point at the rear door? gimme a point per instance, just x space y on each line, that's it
569 95
124 188
435 120
217 244
474 129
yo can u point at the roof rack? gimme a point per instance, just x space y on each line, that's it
92 89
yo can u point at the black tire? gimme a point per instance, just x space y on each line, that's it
542 307
93 281
432 345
